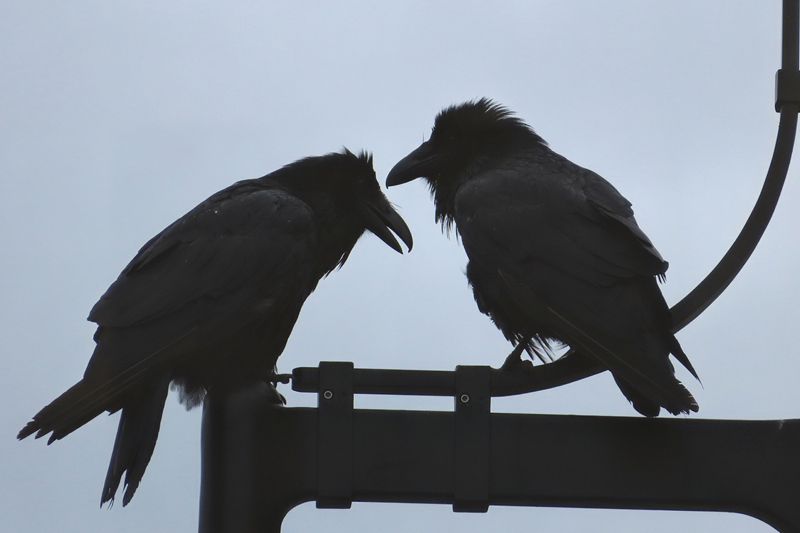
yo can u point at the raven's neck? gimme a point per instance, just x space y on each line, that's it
444 187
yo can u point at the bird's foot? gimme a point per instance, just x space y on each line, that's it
276 378
515 363
272 380
275 396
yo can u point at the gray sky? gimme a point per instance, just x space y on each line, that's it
118 117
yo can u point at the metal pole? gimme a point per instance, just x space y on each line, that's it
266 459
573 366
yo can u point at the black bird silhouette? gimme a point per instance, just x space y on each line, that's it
555 253
211 300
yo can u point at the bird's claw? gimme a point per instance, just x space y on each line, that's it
519 366
515 363
275 396
276 378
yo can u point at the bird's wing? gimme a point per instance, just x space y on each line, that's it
573 221
241 251
239 240
571 258
554 232
648 371
609 203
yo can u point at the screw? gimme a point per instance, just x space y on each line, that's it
328 394
465 398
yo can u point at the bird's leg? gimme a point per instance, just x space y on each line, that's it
273 378
275 396
276 378
514 361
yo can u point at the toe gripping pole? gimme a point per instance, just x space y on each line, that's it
260 459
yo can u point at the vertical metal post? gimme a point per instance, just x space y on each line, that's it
791 35
257 460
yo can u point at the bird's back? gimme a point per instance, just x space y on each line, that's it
555 253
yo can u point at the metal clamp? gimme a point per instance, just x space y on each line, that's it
473 401
335 458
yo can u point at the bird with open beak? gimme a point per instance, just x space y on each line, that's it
210 301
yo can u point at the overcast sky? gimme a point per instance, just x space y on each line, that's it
118 117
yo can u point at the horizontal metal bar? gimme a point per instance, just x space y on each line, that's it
443 382
261 459
379 381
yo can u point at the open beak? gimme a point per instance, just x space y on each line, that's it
422 162
381 217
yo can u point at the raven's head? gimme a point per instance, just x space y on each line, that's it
347 200
463 138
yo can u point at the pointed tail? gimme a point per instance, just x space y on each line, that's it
136 440
78 405
136 436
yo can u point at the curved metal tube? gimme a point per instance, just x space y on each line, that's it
732 262
573 366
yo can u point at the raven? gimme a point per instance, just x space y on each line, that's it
210 301
555 254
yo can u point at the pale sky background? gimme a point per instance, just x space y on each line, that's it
118 117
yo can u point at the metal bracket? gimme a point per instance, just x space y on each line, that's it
335 409
787 88
472 439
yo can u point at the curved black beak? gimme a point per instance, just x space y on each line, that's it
380 217
422 162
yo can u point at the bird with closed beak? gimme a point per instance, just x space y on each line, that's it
555 253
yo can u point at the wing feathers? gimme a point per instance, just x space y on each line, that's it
646 372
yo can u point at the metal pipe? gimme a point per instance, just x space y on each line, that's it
573 366
261 459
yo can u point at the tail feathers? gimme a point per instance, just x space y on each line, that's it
97 393
136 440
676 350
645 389
77 406
640 402
650 408
646 385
